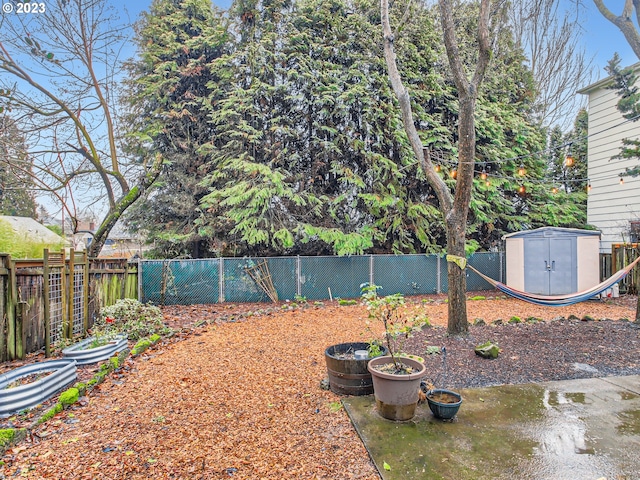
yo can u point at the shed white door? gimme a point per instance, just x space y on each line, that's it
550 265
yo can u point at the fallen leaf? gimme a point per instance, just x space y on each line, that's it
386 466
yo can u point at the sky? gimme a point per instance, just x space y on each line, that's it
600 38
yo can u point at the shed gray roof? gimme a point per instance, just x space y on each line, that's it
552 231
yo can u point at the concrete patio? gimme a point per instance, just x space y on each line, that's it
586 429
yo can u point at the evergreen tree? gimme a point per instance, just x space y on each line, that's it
625 82
182 44
16 178
313 172
289 141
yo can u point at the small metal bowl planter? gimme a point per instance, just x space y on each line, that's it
84 356
14 400
442 410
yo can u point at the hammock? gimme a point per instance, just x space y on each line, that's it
560 300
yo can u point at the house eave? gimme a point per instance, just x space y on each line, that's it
604 82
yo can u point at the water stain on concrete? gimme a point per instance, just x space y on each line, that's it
578 429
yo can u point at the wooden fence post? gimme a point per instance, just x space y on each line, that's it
4 306
21 330
64 280
85 292
70 292
47 303
12 300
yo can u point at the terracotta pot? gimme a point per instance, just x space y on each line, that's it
348 376
396 395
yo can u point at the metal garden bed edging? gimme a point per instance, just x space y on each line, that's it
85 356
13 400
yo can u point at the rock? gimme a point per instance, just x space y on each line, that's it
498 321
515 319
588 318
488 350
584 367
324 383
479 321
573 317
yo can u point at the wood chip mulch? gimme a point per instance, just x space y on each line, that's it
237 397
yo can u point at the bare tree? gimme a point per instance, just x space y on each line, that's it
624 21
59 72
454 206
550 38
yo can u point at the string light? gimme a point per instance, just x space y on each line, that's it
521 170
553 149
569 161
522 190
438 168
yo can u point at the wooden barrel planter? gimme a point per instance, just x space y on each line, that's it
348 375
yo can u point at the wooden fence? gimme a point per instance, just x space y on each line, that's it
43 301
622 254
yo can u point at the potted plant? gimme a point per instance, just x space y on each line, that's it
443 403
396 377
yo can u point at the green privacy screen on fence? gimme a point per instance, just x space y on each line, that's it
214 280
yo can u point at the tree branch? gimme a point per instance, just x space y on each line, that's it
436 182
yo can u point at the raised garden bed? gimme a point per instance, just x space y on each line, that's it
83 354
41 381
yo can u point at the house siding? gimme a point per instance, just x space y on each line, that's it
610 206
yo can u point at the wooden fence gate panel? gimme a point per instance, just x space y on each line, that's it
43 301
622 254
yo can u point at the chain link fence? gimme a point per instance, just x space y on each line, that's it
206 281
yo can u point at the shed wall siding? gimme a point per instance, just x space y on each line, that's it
610 206
588 262
514 252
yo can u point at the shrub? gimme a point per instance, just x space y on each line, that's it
129 316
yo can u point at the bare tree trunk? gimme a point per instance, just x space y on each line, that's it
457 279
454 207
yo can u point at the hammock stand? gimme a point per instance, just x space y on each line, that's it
560 300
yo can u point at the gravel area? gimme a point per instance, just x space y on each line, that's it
553 350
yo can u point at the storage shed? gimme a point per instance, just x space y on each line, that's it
552 260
